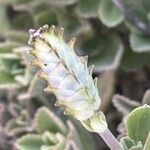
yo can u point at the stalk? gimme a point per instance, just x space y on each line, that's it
110 140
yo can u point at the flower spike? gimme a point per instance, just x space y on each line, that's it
67 74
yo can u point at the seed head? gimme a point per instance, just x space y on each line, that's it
67 75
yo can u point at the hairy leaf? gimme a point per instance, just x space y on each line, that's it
88 8
138 123
109 14
124 105
47 121
140 43
30 141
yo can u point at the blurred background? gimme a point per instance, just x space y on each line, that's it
115 34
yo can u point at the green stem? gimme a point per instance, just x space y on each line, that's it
110 140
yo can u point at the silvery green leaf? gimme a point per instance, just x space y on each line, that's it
109 14
30 141
103 55
146 97
52 133
133 60
106 86
7 47
132 27
124 105
26 78
138 123
7 81
85 138
50 122
136 14
72 24
17 126
11 66
88 8
139 42
45 17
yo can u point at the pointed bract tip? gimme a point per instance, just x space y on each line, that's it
45 27
95 81
61 32
91 69
57 103
43 75
34 53
52 29
72 42
37 63
84 59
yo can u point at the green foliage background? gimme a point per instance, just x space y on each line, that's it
114 34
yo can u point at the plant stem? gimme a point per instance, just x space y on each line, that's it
110 140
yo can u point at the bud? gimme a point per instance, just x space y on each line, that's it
67 75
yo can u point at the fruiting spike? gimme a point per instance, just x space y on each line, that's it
66 73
